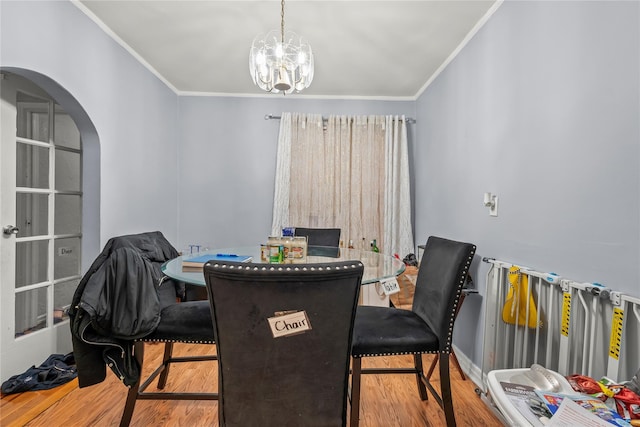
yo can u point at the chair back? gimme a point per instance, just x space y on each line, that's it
321 241
297 379
442 274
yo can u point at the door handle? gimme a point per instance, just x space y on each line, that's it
10 229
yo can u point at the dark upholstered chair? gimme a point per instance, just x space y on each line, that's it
320 240
124 301
181 322
426 328
300 379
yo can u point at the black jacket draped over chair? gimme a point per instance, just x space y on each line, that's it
118 300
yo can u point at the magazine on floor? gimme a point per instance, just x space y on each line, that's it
592 405
527 402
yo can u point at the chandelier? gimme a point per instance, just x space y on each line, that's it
281 61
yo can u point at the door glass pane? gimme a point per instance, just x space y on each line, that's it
67 258
31 311
31 262
68 217
32 214
65 132
62 296
67 171
32 166
33 117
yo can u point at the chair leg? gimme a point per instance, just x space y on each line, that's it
356 367
432 367
457 365
168 351
445 390
132 395
434 362
422 389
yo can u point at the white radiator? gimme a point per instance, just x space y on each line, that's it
579 328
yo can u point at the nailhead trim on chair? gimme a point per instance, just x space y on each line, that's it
176 341
283 268
457 298
401 353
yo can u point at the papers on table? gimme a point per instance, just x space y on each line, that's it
196 263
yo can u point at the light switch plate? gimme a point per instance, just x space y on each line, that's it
493 210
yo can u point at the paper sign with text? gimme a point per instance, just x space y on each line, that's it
288 324
390 286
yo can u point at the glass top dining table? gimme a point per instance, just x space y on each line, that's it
377 266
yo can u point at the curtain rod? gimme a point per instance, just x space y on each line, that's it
324 119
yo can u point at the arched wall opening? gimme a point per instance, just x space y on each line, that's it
90 159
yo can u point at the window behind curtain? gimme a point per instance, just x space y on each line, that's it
335 173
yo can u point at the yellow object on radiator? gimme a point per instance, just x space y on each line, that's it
519 307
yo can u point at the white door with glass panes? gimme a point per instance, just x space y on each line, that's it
40 216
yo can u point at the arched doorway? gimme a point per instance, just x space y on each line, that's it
49 176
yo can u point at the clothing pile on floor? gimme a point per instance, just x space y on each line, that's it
58 369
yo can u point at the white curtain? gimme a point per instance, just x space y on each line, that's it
300 136
349 172
397 191
283 173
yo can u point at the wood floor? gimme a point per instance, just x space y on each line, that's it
387 400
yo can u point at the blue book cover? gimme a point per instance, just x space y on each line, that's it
200 260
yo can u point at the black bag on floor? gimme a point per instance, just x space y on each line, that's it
58 369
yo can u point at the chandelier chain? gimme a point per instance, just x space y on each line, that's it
282 21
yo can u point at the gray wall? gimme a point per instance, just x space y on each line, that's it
128 121
541 108
227 156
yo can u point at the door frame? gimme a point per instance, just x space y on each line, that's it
91 243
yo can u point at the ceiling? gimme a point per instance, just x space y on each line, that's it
362 49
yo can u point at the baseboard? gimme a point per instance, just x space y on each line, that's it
471 370
475 374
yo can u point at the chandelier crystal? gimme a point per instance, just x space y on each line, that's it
281 61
